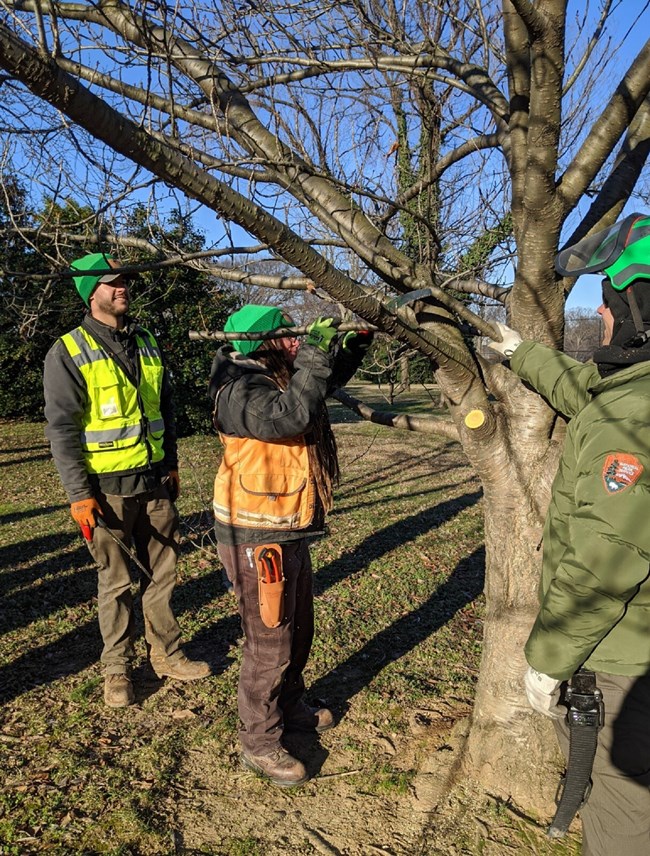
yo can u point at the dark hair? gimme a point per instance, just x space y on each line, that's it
321 443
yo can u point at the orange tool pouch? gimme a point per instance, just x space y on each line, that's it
270 583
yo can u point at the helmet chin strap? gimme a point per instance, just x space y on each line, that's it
642 335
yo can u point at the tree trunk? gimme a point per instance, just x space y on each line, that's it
505 733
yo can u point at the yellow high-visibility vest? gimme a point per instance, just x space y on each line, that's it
122 427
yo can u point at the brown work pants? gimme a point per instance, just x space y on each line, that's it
148 522
273 659
616 817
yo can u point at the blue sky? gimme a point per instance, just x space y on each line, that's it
586 292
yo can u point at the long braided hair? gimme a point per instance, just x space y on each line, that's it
321 443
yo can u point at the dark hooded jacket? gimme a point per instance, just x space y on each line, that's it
250 404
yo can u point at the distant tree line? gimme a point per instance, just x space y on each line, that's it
36 308
582 333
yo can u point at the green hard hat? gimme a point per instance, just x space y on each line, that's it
254 319
621 251
98 270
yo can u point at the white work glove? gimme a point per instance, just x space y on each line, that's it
511 341
543 694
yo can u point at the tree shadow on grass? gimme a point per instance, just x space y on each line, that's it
27 514
390 538
67 655
78 649
30 549
392 471
46 456
71 582
67 579
22 608
463 585
20 450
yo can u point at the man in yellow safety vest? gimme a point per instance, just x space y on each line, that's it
110 423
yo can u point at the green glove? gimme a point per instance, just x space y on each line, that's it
321 333
357 341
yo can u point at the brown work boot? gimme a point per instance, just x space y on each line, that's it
118 690
181 668
304 717
278 766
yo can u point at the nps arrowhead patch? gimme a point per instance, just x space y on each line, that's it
621 471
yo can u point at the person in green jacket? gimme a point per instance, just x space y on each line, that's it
595 585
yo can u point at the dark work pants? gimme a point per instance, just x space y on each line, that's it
149 522
273 659
616 818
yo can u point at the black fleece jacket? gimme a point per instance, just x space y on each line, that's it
250 404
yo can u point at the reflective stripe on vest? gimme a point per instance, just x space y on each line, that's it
264 485
122 428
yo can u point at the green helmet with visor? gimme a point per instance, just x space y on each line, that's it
621 251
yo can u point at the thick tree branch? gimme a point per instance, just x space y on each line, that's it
336 210
531 16
421 424
518 54
333 208
620 183
473 285
536 215
280 333
607 129
470 78
54 85
141 96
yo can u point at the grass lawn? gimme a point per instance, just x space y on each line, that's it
398 585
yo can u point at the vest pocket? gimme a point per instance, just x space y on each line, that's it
269 501
107 402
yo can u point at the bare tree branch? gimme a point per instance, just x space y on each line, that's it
407 422
280 333
618 186
612 123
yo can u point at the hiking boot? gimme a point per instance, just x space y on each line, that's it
181 668
118 690
304 717
278 766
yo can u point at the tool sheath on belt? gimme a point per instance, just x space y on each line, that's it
586 716
270 583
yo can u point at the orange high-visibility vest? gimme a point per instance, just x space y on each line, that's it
264 484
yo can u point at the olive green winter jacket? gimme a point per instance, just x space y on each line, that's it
595 586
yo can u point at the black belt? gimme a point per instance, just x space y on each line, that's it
585 716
